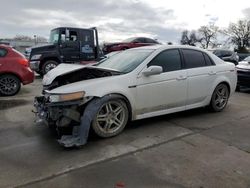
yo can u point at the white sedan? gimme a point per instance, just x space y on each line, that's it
135 84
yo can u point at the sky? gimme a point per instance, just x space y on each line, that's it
119 19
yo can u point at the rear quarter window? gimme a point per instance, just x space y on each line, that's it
208 60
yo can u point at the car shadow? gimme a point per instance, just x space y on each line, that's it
10 103
244 90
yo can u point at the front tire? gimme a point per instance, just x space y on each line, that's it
9 85
111 118
219 98
48 65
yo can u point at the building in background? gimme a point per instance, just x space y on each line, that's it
22 45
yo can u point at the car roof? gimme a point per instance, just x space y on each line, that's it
165 46
5 46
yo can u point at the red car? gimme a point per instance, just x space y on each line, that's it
128 43
14 70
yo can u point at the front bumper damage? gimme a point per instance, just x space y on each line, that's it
74 116
64 117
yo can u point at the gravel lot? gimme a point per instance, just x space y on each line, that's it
195 148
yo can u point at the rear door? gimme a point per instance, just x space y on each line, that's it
201 73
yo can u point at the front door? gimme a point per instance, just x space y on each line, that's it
157 94
69 46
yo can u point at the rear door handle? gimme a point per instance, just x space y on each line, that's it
212 73
181 78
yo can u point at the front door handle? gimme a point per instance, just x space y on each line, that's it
181 78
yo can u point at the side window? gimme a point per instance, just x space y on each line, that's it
140 40
208 60
73 36
147 40
3 52
169 60
193 58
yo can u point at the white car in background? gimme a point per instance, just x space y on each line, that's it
135 84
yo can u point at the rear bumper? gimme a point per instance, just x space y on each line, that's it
27 76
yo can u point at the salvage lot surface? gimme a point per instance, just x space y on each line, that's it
189 149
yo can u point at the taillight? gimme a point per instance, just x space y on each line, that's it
24 62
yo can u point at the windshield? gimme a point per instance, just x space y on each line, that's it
54 36
125 61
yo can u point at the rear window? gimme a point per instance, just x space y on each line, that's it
193 58
3 52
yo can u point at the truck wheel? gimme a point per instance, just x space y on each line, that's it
111 118
9 85
48 65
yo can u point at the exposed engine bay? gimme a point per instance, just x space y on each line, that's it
85 73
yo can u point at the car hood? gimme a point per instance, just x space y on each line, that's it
66 74
243 65
89 86
61 69
42 48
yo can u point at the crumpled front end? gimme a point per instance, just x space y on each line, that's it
62 116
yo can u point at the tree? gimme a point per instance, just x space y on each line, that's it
208 35
189 39
239 34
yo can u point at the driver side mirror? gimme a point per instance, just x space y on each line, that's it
152 70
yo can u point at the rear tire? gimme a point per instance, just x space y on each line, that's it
48 65
219 98
9 85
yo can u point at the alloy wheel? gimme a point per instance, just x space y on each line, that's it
220 97
9 85
111 118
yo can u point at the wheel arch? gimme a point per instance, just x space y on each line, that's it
53 58
222 80
124 98
227 84
13 74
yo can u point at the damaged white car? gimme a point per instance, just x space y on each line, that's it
134 84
